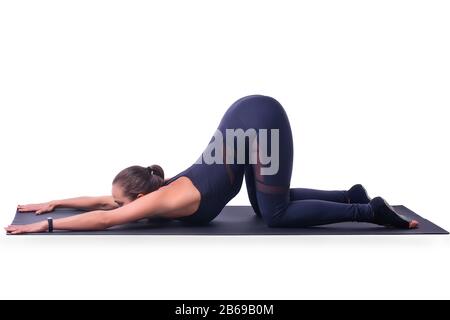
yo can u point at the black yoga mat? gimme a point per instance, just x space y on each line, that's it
235 220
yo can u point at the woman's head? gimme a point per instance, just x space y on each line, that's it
136 181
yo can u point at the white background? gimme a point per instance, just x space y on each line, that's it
90 87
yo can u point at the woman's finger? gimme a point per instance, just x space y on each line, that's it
14 229
25 208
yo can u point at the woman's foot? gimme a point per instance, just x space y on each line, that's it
385 215
358 194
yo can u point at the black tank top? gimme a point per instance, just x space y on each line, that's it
215 187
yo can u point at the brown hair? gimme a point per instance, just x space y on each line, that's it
136 179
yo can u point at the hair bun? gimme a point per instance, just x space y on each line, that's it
156 170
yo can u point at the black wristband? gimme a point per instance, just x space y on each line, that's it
50 224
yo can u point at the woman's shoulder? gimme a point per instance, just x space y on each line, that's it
181 195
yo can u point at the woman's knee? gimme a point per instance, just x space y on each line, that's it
272 223
271 218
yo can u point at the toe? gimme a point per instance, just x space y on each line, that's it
413 224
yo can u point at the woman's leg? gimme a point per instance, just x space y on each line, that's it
356 194
313 194
272 192
278 210
340 196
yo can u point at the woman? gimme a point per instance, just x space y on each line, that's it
199 193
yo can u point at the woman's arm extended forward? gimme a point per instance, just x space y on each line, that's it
87 203
150 205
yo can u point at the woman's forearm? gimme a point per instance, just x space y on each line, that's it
87 203
94 220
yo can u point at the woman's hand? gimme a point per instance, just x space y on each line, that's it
27 228
38 207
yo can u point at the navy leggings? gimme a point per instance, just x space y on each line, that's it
270 195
